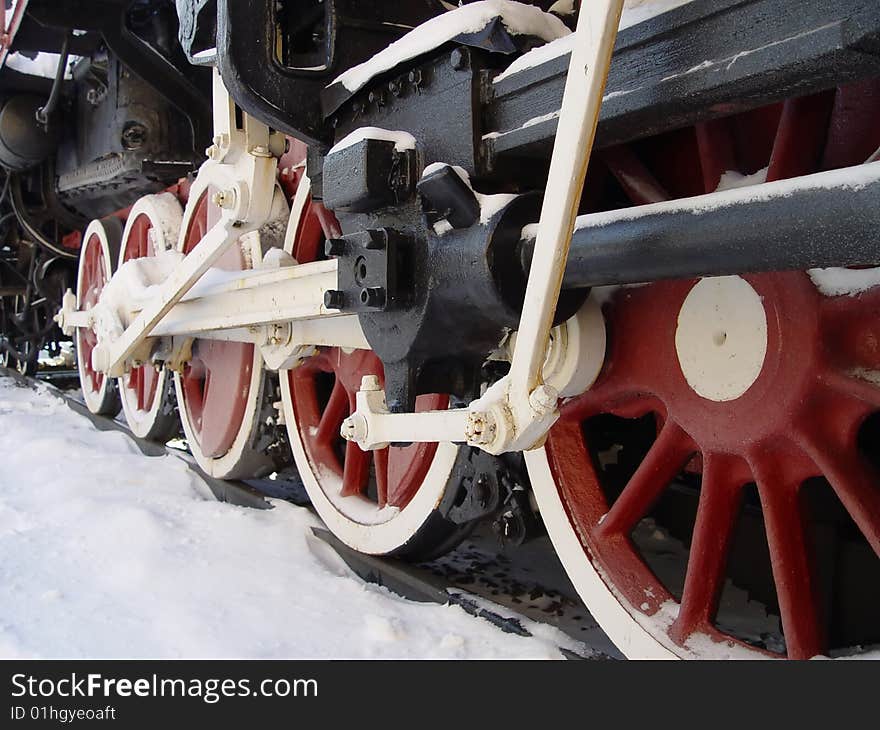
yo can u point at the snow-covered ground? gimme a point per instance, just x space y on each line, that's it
107 553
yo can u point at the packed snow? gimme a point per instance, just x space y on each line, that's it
402 140
731 180
107 553
839 282
850 178
44 65
638 11
518 19
489 204
634 12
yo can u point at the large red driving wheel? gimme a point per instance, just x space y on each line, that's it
380 502
734 424
147 397
223 387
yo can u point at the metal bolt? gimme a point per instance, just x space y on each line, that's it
459 59
354 428
134 136
260 150
224 198
334 299
370 384
348 430
395 87
334 247
373 296
479 429
377 241
543 400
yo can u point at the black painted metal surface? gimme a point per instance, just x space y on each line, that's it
703 60
795 230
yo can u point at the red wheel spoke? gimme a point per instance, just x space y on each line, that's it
856 485
134 378
356 472
380 461
717 513
851 326
607 397
666 458
334 414
637 181
790 559
855 386
801 136
717 150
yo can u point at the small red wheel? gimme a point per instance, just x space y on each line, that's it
146 391
717 493
379 502
224 394
100 250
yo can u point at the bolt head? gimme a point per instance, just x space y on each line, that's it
334 299
479 429
224 198
347 430
370 384
458 59
334 247
373 296
543 400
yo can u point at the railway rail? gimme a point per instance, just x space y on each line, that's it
530 264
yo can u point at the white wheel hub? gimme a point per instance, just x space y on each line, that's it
721 339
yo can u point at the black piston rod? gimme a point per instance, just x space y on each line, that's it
825 220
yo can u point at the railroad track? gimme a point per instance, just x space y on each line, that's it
496 583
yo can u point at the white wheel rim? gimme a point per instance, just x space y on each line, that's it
628 634
350 518
94 398
378 534
165 216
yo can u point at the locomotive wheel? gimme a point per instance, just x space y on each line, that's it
379 502
224 389
100 249
146 392
732 432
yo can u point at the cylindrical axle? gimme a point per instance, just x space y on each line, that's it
825 220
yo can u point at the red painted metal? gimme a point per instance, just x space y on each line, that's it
323 391
142 380
94 274
217 381
9 27
399 472
799 420
72 240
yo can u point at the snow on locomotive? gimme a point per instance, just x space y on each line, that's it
603 269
